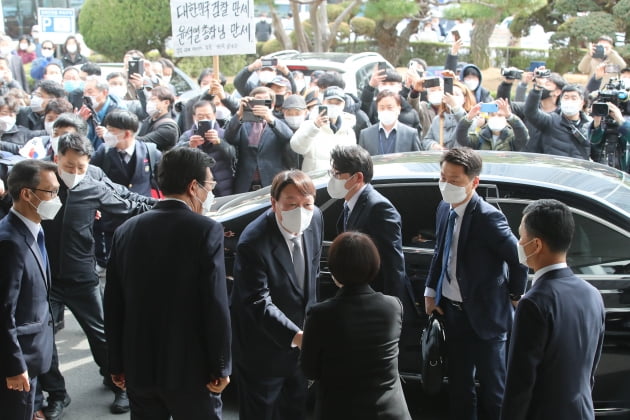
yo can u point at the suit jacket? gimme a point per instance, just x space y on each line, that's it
268 306
375 216
355 384
488 270
69 236
167 318
139 180
555 346
407 139
26 336
272 155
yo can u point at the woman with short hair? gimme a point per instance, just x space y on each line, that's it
350 342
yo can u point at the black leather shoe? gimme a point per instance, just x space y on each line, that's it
121 402
54 411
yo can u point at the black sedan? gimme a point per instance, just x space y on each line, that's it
598 196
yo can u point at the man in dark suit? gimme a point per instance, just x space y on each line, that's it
262 146
263 29
367 211
169 341
275 272
126 162
84 190
558 329
26 338
389 135
123 159
474 274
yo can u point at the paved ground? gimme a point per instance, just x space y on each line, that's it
91 400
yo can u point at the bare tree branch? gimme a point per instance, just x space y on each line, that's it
335 26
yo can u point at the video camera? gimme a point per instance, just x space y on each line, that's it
542 74
614 92
512 73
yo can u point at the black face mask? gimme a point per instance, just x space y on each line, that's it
546 93
279 101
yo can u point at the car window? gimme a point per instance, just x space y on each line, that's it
362 76
180 84
598 247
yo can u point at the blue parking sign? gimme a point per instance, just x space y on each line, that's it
56 24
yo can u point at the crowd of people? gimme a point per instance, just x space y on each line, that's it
85 153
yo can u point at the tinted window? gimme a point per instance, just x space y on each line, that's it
362 76
597 248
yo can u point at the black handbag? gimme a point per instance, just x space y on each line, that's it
433 355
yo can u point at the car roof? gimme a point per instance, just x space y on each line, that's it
326 60
598 182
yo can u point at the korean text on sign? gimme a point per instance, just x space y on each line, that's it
206 28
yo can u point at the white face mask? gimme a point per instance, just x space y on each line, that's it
23 46
626 82
266 77
71 180
110 139
71 48
295 121
334 111
496 123
336 187
37 103
452 194
206 205
118 90
5 51
48 53
6 123
166 79
47 210
387 117
472 84
93 101
222 113
570 108
48 126
296 220
152 108
435 97
459 102
522 256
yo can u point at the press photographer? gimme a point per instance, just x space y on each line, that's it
610 132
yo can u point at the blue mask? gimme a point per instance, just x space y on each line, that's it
70 85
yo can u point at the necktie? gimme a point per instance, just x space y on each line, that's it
255 133
298 260
446 251
124 157
346 215
42 246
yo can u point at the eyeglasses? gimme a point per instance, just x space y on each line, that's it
47 48
211 183
53 193
335 174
